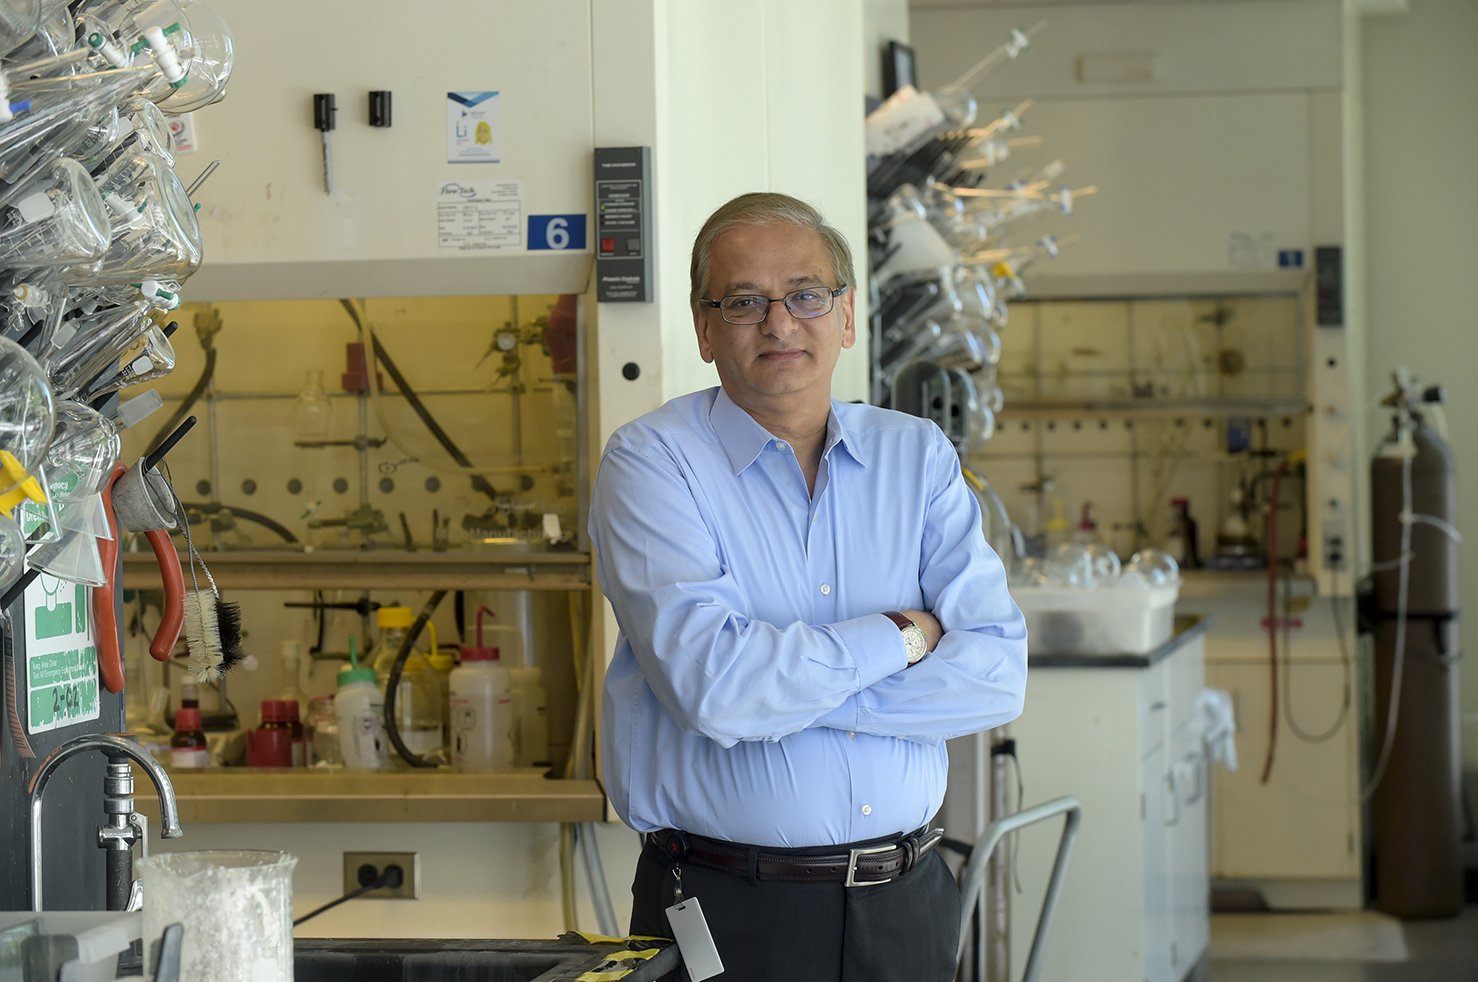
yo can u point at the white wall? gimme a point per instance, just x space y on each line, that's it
777 106
1210 151
1421 137
496 880
769 109
882 21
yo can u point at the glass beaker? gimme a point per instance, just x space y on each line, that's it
236 906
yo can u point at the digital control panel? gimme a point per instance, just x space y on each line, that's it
623 224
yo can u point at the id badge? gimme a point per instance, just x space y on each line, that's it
694 940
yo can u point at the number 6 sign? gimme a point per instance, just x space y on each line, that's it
556 232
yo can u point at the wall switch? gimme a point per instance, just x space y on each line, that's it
361 868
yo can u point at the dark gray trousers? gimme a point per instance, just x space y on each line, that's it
905 930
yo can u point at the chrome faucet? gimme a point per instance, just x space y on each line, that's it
122 827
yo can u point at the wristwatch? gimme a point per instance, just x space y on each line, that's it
914 640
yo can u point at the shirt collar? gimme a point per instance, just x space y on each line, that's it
743 439
837 433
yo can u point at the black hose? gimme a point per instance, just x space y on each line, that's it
320 614
381 355
392 684
255 517
192 397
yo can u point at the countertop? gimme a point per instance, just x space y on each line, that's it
1187 626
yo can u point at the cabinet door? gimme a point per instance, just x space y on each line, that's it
1188 849
1160 813
1303 823
1079 736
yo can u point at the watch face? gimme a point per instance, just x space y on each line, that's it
916 642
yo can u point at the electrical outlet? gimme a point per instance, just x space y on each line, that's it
365 867
1334 551
1336 548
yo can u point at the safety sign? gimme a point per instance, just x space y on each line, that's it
61 658
473 128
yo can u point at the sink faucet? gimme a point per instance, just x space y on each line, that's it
121 828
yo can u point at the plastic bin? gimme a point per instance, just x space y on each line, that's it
1099 621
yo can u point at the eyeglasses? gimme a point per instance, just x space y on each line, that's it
804 304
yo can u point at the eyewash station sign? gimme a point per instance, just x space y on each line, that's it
61 665
61 657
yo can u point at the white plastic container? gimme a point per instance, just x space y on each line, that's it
481 712
531 713
360 708
1118 620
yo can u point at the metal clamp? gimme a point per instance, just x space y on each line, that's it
853 855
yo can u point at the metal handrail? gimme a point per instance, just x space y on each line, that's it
972 877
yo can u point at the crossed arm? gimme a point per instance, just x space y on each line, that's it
720 672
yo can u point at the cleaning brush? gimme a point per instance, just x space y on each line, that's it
212 629
212 626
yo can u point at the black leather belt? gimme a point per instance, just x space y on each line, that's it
862 866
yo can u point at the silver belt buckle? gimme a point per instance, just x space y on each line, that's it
852 857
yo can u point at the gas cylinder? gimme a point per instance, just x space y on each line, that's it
1416 807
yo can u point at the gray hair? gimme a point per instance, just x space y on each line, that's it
766 208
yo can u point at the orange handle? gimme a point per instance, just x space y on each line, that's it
104 612
174 595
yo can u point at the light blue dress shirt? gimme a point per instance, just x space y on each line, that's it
757 693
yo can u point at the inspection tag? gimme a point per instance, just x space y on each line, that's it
479 215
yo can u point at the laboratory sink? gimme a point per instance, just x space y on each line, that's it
444 960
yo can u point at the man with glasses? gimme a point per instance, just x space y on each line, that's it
808 609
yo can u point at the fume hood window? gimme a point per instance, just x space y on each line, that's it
1116 408
387 424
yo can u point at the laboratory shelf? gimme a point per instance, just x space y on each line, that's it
1217 408
245 795
347 570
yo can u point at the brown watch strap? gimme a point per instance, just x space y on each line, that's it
903 622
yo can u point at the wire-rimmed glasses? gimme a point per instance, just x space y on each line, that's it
746 309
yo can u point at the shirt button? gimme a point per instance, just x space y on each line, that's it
826 589
851 735
867 809
781 446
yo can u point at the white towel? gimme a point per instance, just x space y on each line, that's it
1220 726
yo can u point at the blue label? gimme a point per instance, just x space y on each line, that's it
556 231
1290 258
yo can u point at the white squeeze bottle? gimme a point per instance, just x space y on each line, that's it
360 707
481 710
